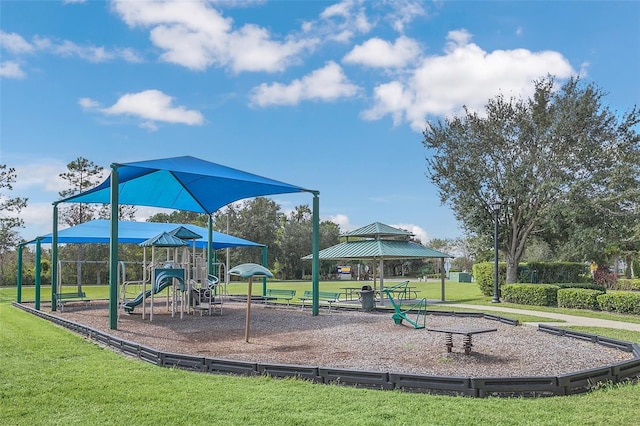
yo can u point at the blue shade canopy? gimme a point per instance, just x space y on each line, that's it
164 240
183 183
246 270
97 231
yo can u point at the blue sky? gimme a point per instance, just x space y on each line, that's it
331 96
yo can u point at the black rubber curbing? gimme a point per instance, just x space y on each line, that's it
568 384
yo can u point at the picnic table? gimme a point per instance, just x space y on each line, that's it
406 292
350 292
467 332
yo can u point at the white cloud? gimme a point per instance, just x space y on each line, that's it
14 43
464 75
340 22
342 220
150 105
10 69
194 35
416 230
38 219
376 52
17 45
90 53
327 84
88 103
404 12
42 175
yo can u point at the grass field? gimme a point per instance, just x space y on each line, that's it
51 376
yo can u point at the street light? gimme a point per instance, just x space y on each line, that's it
496 289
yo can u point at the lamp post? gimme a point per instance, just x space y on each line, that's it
496 289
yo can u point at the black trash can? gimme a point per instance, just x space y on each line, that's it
367 298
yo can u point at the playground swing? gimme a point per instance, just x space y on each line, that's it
417 311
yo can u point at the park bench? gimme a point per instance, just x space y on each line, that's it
275 294
329 297
62 298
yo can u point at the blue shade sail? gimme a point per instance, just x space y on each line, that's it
97 231
183 183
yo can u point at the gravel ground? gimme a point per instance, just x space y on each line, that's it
356 340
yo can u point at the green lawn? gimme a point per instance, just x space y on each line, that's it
52 376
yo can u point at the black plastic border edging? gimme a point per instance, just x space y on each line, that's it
567 384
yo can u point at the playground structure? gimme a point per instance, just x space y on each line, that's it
181 272
417 311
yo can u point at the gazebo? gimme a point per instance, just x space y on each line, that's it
181 183
377 242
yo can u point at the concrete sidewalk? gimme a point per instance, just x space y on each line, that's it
568 319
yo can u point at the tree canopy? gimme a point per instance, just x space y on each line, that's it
548 159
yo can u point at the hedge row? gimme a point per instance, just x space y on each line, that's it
589 286
621 302
628 285
574 298
533 272
579 298
531 294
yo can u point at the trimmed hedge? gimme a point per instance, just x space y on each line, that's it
558 272
579 298
621 302
628 285
531 294
483 275
538 272
589 286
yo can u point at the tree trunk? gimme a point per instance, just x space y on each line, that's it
512 272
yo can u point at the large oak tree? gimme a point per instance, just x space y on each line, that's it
551 153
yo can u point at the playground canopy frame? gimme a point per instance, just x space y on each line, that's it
181 183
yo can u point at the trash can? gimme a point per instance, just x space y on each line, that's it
367 298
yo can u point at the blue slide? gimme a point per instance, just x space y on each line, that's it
164 278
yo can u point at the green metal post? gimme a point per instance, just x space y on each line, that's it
19 274
54 259
113 251
210 245
37 273
315 250
264 263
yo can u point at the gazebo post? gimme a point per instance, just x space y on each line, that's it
442 279
381 281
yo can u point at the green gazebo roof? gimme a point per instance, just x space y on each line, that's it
376 249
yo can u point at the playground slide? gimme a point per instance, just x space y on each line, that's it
163 280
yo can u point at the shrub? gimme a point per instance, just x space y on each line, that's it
621 302
589 286
628 285
483 275
531 294
579 298
605 277
556 272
